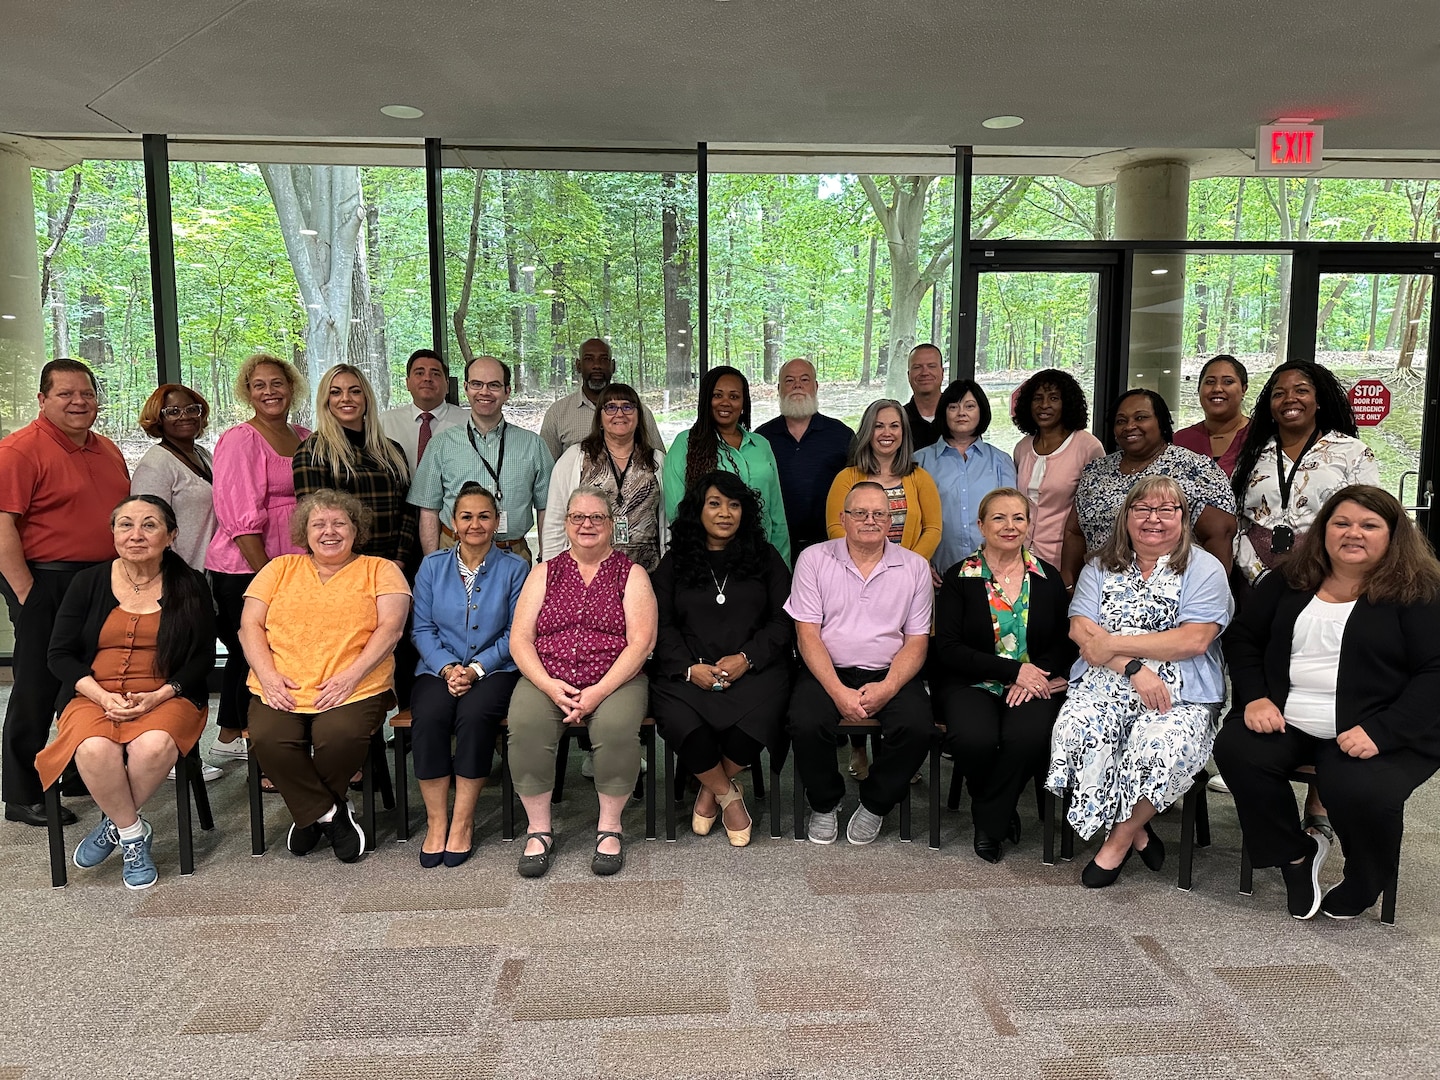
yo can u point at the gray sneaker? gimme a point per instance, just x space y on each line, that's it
824 828
864 826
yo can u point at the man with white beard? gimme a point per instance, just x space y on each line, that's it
810 449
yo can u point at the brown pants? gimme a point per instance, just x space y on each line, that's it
310 757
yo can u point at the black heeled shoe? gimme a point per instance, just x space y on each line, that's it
431 859
457 858
1153 853
987 847
1095 876
1013 833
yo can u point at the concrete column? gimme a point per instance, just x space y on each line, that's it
1152 202
22 326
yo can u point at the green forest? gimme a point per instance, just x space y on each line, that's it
321 263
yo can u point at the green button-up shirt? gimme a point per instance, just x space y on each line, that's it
452 458
753 462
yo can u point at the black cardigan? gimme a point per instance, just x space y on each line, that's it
76 637
1388 677
965 635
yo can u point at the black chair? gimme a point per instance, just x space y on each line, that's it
676 788
188 778
401 724
1194 828
644 784
375 771
1306 775
848 727
952 801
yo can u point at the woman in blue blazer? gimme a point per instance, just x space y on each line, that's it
464 604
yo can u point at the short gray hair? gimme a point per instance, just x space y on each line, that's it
594 493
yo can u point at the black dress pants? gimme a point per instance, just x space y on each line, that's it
229 593
905 728
997 747
32 698
1364 798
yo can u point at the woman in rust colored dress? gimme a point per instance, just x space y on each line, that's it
133 644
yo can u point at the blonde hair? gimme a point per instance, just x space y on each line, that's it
253 361
1005 493
1117 553
333 451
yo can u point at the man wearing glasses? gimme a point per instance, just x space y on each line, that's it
568 421
58 483
509 461
861 607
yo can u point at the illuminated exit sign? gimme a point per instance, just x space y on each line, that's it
1289 148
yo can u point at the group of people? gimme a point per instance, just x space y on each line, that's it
1064 612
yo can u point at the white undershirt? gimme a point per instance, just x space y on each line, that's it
1037 471
1314 657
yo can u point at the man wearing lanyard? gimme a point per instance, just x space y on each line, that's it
509 461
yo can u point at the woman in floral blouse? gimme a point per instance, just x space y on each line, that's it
1001 641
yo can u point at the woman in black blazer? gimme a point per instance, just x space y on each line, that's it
1335 663
1003 652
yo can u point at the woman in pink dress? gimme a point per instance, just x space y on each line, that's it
254 498
1050 409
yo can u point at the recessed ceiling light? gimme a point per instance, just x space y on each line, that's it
309 232
402 112
7 316
997 123
1159 270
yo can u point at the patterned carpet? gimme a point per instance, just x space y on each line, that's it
783 960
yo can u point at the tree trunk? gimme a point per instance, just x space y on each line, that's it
559 354
1411 335
1397 313
323 200
639 298
94 338
367 324
1202 315
467 280
982 343
677 301
512 279
869 312
1225 344
937 311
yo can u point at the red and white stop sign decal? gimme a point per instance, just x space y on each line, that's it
1370 402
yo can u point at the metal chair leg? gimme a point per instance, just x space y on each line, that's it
935 793
1047 825
905 805
367 796
186 838
1247 871
651 769
507 789
402 785
1067 834
562 759
672 777
1188 811
1387 902
56 835
774 795
257 806
201 794
383 783
799 801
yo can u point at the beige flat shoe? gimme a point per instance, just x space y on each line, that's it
738 837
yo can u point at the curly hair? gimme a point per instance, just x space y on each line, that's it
1407 573
1157 403
150 420
329 499
1074 409
253 361
744 556
593 445
702 453
1332 413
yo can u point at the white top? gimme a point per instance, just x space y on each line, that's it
161 473
403 425
1314 657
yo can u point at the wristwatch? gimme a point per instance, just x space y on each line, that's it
1132 667
175 685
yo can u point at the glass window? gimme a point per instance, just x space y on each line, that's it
1285 208
539 261
319 264
1040 208
808 265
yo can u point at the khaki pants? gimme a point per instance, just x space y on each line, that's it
535 729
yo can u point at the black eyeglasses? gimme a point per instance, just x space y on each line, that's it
580 519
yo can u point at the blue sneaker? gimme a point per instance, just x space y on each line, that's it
98 844
139 870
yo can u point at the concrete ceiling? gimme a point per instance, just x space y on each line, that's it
1102 76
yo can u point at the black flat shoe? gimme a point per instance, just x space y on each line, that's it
537 865
1013 833
1095 876
987 847
604 865
1153 853
34 814
456 858
431 859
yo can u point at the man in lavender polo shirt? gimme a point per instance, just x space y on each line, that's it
861 607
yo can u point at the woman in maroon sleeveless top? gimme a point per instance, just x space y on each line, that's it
583 628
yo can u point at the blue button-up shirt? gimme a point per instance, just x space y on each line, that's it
963 482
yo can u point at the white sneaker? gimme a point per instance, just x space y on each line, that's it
1217 783
209 772
230 751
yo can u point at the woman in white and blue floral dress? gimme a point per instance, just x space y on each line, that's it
1145 695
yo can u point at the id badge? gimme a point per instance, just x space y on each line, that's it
503 526
622 531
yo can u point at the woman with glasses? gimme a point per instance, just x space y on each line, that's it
617 458
1140 715
584 626
721 438
177 469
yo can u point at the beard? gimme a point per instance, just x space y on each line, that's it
799 408
597 382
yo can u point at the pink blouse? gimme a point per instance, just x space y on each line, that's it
1050 482
1196 438
254 494
580 631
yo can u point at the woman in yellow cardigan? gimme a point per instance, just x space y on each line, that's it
883 451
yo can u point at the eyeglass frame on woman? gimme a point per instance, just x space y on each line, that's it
1163 512
615 408
577 519
175 412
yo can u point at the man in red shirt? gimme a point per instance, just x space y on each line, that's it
58 483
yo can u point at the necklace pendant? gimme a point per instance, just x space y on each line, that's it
720 598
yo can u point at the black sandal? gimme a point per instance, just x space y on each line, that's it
533 866
605 865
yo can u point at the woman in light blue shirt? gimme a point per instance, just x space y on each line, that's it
464 604
965 469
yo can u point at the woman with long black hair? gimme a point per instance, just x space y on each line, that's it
721 438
